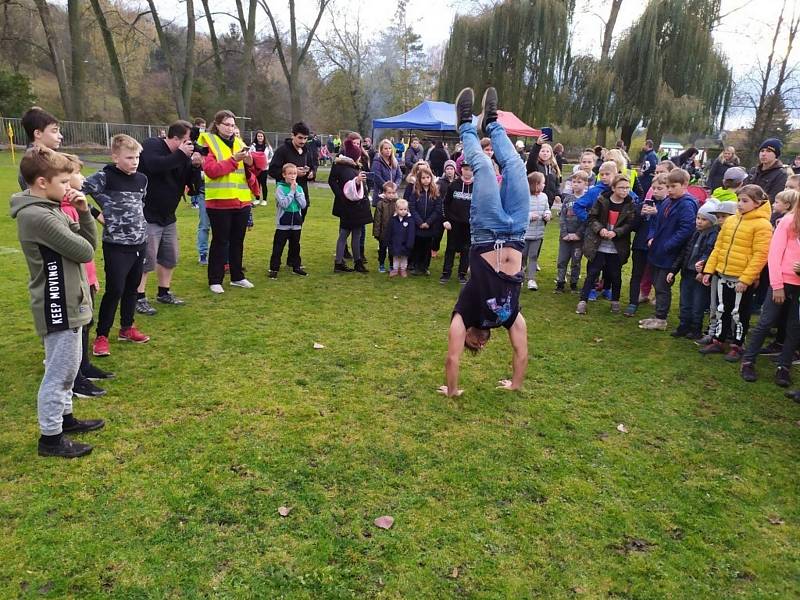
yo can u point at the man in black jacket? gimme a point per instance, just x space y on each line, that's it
168 166
770 173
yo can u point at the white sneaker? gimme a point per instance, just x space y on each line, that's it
538 268
242 283
217 288
532 285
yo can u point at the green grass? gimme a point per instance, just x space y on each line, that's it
228 413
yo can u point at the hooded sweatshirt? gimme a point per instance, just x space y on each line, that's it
55 248
287 153
121 197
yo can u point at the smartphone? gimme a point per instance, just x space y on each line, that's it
548 131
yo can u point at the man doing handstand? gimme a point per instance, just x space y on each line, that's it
498 220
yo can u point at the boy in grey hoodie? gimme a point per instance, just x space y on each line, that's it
55 248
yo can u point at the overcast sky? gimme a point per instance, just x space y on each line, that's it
744 35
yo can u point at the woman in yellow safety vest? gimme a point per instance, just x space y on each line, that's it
230 173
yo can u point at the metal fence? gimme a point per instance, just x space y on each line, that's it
82 135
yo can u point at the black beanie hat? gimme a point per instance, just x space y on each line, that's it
773 144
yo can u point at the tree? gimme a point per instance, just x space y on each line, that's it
248 27
77 66
16 95
603 70
56 57
216 54
113 60
292 58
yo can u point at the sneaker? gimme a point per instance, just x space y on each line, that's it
170 298
84 388
606 294
615 306
217 288
734 353
381 268
203 259
783 377
463 106
272 274
300 271
630 310
573 287
242 283
394 273
559 288
704 340
592 295
748 372
532 285
131 334
444 279
793 395
100 346
66 448
771 350
78 426
93 373
143 307
488 110
341 268
713 347
679 332
654 324
643 299
694 335
462 279
403 273
581 308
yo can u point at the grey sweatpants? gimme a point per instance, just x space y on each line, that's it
62 358
531 256
569 251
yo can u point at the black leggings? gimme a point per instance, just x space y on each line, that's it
123 268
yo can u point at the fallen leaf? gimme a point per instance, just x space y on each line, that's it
578 590
598 340
318 346
384 522
395 297
621 428
284 511
776 520
454 573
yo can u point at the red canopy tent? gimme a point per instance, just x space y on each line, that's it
514 126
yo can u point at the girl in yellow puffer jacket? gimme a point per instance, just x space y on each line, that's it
736 263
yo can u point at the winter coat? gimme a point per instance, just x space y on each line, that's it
642 231
598 219
568 221
670 229
168 174
537 204
717 171
351 213
402 234
584 204
551 176
425 210
772 180
290 204
381 173
383 214
742 246
784 251
54 247
724 195
698 248
413 155
438 157
287 153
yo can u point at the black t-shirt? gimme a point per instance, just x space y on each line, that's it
490 298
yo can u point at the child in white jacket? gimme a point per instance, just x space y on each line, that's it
539 216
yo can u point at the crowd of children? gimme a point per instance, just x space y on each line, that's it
721 251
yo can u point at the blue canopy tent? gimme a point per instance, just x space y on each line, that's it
428 116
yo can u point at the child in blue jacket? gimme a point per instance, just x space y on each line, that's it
401 238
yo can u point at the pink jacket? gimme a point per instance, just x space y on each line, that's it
784 251
91 269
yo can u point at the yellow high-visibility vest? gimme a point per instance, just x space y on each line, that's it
232 186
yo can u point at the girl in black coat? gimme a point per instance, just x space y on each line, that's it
350 202
541 159
425 205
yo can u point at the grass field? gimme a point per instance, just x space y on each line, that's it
229 413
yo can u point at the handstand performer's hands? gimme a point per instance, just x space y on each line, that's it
442 389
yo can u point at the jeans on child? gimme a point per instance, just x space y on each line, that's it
496 213
694 300
569 251
203 224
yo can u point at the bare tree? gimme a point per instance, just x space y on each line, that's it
248 27
56 57
608 36
113 60
181 82
292 58
78 46
215 49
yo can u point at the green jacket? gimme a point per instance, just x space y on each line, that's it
55 248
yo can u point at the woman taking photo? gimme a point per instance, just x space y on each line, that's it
350 202
230 174
260 144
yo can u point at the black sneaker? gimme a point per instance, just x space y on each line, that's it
444 279
300 271
67 448
170 298
143 307
559 288
273 275
748 372
573 287
78 426
93 373
488 110
462 279
782 377
464 102
341 268
84 388
771 350
679 332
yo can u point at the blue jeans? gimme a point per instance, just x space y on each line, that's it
496 214
695 299
203 225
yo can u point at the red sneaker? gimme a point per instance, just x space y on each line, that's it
100 347
131 334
